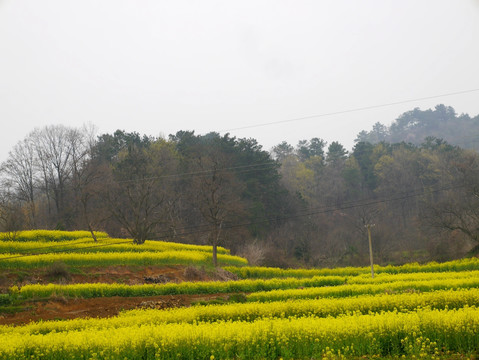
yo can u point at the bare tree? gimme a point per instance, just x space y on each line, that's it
86 173
19 171
139 192
456 208
216 194
11 214
54 149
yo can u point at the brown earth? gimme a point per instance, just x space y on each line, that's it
55 308
63 308
129 275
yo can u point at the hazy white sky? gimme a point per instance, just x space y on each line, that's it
157 67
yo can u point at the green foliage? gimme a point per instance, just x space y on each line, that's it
5 299
412 313
425 127
258 272
307 201
336 153
11 261
237 298
348 290
307 149
101 245
57 271
211 287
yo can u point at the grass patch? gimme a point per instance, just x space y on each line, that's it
215 301
237 298
21 275
58 271
12 309
5 299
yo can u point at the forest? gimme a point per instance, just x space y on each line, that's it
415 184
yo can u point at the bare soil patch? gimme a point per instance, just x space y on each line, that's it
63 308
56 308
130 275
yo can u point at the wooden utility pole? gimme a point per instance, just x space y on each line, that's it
368 226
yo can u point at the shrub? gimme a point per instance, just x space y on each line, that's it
58 270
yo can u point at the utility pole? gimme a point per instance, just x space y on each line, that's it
368 226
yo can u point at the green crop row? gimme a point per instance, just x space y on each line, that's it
102 245
365 304
420 334
425 276
361 289
48 235
17 261
253 272
210 287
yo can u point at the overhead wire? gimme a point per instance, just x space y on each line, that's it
363 108
199 173
323 210
206 172
273 163
256 167
317 211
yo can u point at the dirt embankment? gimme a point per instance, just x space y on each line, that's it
55 308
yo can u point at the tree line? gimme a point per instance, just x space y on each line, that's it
307 204
414 126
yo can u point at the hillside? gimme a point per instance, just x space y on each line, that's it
304 205
194 311
61 307
417 125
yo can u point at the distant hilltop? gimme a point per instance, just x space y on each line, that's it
416 125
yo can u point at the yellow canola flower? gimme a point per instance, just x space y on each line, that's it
48 235
446 299
101 289
376 334
103 244
268 272
425 276
117 258
360 289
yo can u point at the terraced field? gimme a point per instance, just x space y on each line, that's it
419 311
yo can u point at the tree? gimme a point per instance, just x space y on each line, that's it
139 194
402 172
54 148
457 209
21 174
11 214
362 152
298 179
415 125
336 153
40 169
109 146
87 175
314 147
259 174
253 175
216 196
214 188
282 151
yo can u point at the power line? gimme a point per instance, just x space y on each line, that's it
351 110
303 212
242 169
333 209
310 212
